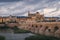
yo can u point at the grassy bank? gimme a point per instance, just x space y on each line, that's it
41 37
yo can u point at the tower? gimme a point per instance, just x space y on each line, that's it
28 13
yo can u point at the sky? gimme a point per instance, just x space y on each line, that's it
50 8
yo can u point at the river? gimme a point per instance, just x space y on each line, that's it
12 36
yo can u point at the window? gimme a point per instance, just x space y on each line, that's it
40 26
49 30
46 27
56 28
32 25
36 26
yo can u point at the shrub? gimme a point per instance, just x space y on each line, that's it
41 37
21 31
17 30
2 38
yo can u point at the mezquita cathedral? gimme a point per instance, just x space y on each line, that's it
34 22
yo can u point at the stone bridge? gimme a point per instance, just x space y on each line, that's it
43 28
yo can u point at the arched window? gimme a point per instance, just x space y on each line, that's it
46 27
40 26
56 28
32 25
49 30
36 26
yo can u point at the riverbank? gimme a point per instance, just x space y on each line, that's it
12 36
2 37
41 37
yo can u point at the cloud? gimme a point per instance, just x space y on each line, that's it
9 0
21 7
48 10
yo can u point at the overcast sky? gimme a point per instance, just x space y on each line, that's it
21 7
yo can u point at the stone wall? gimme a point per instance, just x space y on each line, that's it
12 24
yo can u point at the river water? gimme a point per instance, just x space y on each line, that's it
12 36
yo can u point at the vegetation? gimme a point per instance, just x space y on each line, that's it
2 38
21 31
17 30
41 37
4 28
